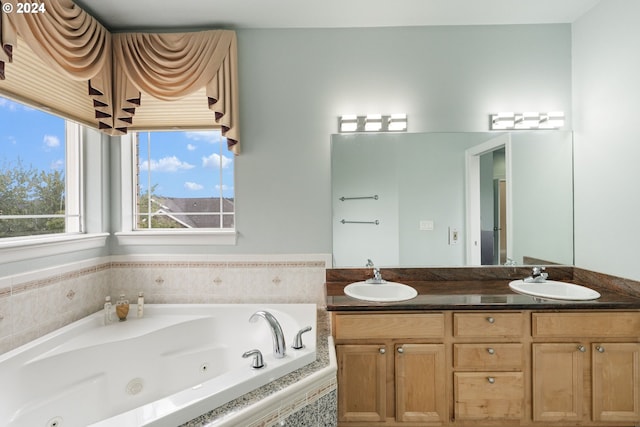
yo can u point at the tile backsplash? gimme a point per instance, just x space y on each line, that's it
36 303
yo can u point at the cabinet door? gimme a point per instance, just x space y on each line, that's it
361 382
558 371
421 383
616 382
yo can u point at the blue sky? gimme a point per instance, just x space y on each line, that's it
34 137
187 164
183 164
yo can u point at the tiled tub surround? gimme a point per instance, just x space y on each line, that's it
304 397
36 303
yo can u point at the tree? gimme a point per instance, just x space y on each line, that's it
29 191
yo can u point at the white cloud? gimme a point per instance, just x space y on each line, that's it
213 161
57 164
191 147
166 164
193 186
223 187
10 105
51 141
205 135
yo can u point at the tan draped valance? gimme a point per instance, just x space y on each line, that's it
121 69
170 66
71 42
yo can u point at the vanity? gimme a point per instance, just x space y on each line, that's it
467 351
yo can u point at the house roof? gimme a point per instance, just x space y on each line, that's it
180 208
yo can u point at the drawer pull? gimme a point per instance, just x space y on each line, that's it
400 350
600 349
382 351
491 380
581 348
491 351
491 320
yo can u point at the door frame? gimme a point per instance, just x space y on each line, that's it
472 195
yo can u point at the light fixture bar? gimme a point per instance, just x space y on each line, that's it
372 123
528 120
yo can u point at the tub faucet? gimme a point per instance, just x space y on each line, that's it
537 275
377 276
279 347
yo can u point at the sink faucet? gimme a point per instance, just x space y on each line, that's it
377 276
279 347
537 275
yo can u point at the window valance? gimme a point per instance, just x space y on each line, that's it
121 69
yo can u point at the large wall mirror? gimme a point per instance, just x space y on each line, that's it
452 199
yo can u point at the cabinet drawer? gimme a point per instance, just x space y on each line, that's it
480 325
361 326
502 357
604 324
488 395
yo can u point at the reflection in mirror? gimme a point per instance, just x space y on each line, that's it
419 217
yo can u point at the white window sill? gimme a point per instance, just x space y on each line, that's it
166 237
18 249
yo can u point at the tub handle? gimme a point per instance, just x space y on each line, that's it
297 341
258 362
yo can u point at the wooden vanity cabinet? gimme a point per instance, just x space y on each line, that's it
391 369
586 367
499 368
488 364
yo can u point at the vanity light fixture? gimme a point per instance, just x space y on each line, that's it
529 120
372 123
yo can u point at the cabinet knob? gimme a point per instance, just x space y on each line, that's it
382 351
491 380
491 351
600 349
491 320
581 348
400 350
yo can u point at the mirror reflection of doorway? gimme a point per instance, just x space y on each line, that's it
493 207
500 221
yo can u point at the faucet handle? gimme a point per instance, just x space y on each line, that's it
297 341
257 362
537 271
369 263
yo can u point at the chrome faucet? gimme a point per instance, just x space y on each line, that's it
377 276
279 347
538 275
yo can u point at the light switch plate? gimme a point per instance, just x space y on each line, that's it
426 225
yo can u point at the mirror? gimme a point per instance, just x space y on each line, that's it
435 199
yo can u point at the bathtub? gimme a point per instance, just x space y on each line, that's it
175 363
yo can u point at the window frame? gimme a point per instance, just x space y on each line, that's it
74 238
129 235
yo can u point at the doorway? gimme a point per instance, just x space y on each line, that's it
488 212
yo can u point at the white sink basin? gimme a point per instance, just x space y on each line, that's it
380 292
554 290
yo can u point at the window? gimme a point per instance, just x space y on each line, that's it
184 180
39 172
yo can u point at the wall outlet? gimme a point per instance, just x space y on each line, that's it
454 236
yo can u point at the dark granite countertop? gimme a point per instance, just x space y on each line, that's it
451 289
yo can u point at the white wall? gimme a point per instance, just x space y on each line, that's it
606 102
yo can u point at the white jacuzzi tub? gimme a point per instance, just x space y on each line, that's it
175 363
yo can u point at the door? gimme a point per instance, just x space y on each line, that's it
500 222
421 383
616 382
361 382
558 371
